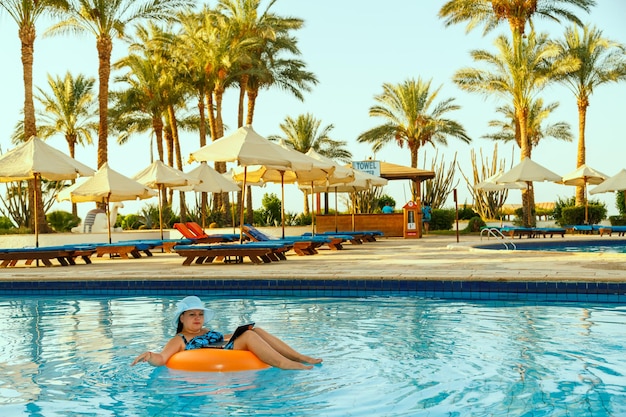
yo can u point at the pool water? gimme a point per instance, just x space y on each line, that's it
557 245
389 356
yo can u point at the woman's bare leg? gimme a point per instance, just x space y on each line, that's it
263 350
284 349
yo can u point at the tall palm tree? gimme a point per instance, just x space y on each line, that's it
106 19
68 110
25 13
304 133
517 13
602 61
413 119
517 76
537 129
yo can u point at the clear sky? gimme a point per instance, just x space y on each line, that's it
354 47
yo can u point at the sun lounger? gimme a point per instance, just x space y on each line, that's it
228 253
123 250
513 231
65 255
300 245
361 235
165 244
545 231
202 237
609 230
354 239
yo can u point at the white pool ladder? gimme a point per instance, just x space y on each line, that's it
492 231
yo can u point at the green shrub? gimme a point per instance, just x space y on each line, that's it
467 213
475 224
6 223
442 219
620 203
62 221
132 222
576 215
617 220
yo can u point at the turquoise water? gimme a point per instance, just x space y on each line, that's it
389 356
556 245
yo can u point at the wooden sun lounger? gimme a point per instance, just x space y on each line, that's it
300 245
201 237
227 253
122 250
65 255
609 230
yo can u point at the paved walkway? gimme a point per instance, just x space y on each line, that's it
430 258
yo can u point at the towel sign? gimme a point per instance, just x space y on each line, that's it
371 167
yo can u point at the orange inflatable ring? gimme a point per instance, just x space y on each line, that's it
215 360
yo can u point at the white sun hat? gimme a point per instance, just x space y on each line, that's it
191 303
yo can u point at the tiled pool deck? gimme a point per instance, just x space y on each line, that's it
433 266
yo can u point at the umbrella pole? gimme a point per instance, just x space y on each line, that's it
36 213
160 211
586 203
336 211
282 201
243 199
107 211
232 210
312 212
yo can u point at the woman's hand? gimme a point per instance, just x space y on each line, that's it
144 357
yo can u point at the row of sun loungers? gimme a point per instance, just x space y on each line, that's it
599 229
261 248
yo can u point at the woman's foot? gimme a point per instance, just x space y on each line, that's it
311 360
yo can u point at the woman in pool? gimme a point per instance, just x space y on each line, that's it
189 318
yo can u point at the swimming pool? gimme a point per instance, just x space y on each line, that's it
557 245
392 356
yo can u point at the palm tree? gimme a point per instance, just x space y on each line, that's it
537 130
305 133
70 111
412 118
517 13
25 13
602 61
106 19
517 76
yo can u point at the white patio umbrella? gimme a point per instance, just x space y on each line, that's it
319 171
528 171
491 184
615 183
211 181
582 176
159 176
106 186
33 160
247 147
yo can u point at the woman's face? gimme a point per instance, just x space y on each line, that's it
192 319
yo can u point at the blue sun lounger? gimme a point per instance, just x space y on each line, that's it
227 252
64 254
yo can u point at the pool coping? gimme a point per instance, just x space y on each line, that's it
479 290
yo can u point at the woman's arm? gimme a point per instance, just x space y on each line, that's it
175 345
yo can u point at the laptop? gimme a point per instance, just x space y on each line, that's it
227 344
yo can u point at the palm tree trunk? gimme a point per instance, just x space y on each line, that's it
581 154
252 95
105 46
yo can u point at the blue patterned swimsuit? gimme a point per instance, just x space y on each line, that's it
204 340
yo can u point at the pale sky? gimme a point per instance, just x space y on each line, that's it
353 47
